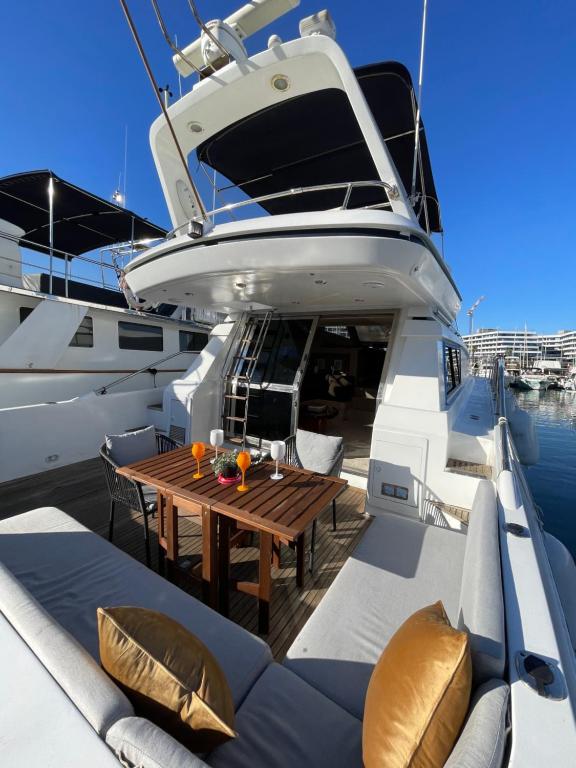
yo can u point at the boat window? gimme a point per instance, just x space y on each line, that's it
24 312
192 341
140 336
84 336
452 368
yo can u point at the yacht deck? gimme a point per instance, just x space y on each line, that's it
80 491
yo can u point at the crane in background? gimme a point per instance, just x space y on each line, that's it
471 311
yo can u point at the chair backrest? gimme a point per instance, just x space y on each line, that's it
320 453
481 595
128 447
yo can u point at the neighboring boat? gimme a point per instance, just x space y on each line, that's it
62 337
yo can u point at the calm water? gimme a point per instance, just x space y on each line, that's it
553 480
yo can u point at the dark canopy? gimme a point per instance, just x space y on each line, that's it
82 221
315 139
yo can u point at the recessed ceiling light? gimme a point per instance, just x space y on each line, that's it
360 301
280 83
240 285
321 282
195 128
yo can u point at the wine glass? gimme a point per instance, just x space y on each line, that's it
277 451
243 460
198 450
216 439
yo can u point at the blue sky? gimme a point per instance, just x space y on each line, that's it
499 106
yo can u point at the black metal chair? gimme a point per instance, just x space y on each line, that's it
130 493
293 458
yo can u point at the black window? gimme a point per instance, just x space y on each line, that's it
84 336
24 312
140 336
452 368
192 341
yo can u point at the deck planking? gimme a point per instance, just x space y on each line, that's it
80 491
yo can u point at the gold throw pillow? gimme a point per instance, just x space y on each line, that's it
168 674
418 694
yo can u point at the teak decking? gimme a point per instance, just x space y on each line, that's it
80 491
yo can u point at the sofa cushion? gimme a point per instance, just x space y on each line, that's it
39 725
132 446
71 571
481 598
138 743
317 452
483 738
285 723
418 694
100 701
168 675
399 566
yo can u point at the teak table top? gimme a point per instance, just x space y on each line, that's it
280 507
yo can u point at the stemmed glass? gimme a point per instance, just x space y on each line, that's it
277 451
244 460
216 439
198 450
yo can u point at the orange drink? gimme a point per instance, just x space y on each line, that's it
198 450
243 462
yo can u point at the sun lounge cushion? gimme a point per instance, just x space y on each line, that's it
286 723
39 725
95 695
317 452
132 446
483 738
481 599
72 571
138 743
400 565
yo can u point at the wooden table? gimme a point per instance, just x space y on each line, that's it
280 511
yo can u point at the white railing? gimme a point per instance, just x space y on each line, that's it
348 187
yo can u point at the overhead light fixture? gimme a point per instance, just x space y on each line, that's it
280 83
195 128
240 285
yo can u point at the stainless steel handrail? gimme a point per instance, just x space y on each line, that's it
150 368
349 186
498 388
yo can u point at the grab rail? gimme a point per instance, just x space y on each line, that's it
150 368
391 191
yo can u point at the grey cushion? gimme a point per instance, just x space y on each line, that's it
483 739
317 452
481 599
39 725
71 571
285 723
399 566
91 690
138 743
132 446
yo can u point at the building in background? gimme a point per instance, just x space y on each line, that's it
528 346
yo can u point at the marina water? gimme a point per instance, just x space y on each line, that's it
553 479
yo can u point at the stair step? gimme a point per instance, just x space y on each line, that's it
236 397
155 407
469 468
459 513
243 357
235 418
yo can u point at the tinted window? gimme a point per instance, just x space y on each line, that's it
84 336
140 336
24 312
191 341
281 352
452 368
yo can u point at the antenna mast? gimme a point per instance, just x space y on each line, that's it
419 102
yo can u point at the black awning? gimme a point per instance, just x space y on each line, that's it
82 221
315 139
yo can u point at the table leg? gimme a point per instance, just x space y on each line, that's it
300 558
161 533
171 537
224 526
209 557
264 582
276 552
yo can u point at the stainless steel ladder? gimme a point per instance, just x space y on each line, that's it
248 351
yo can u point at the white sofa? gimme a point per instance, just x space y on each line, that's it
306 712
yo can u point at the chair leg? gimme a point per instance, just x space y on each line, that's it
111 523
147 539
334 514
312 548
